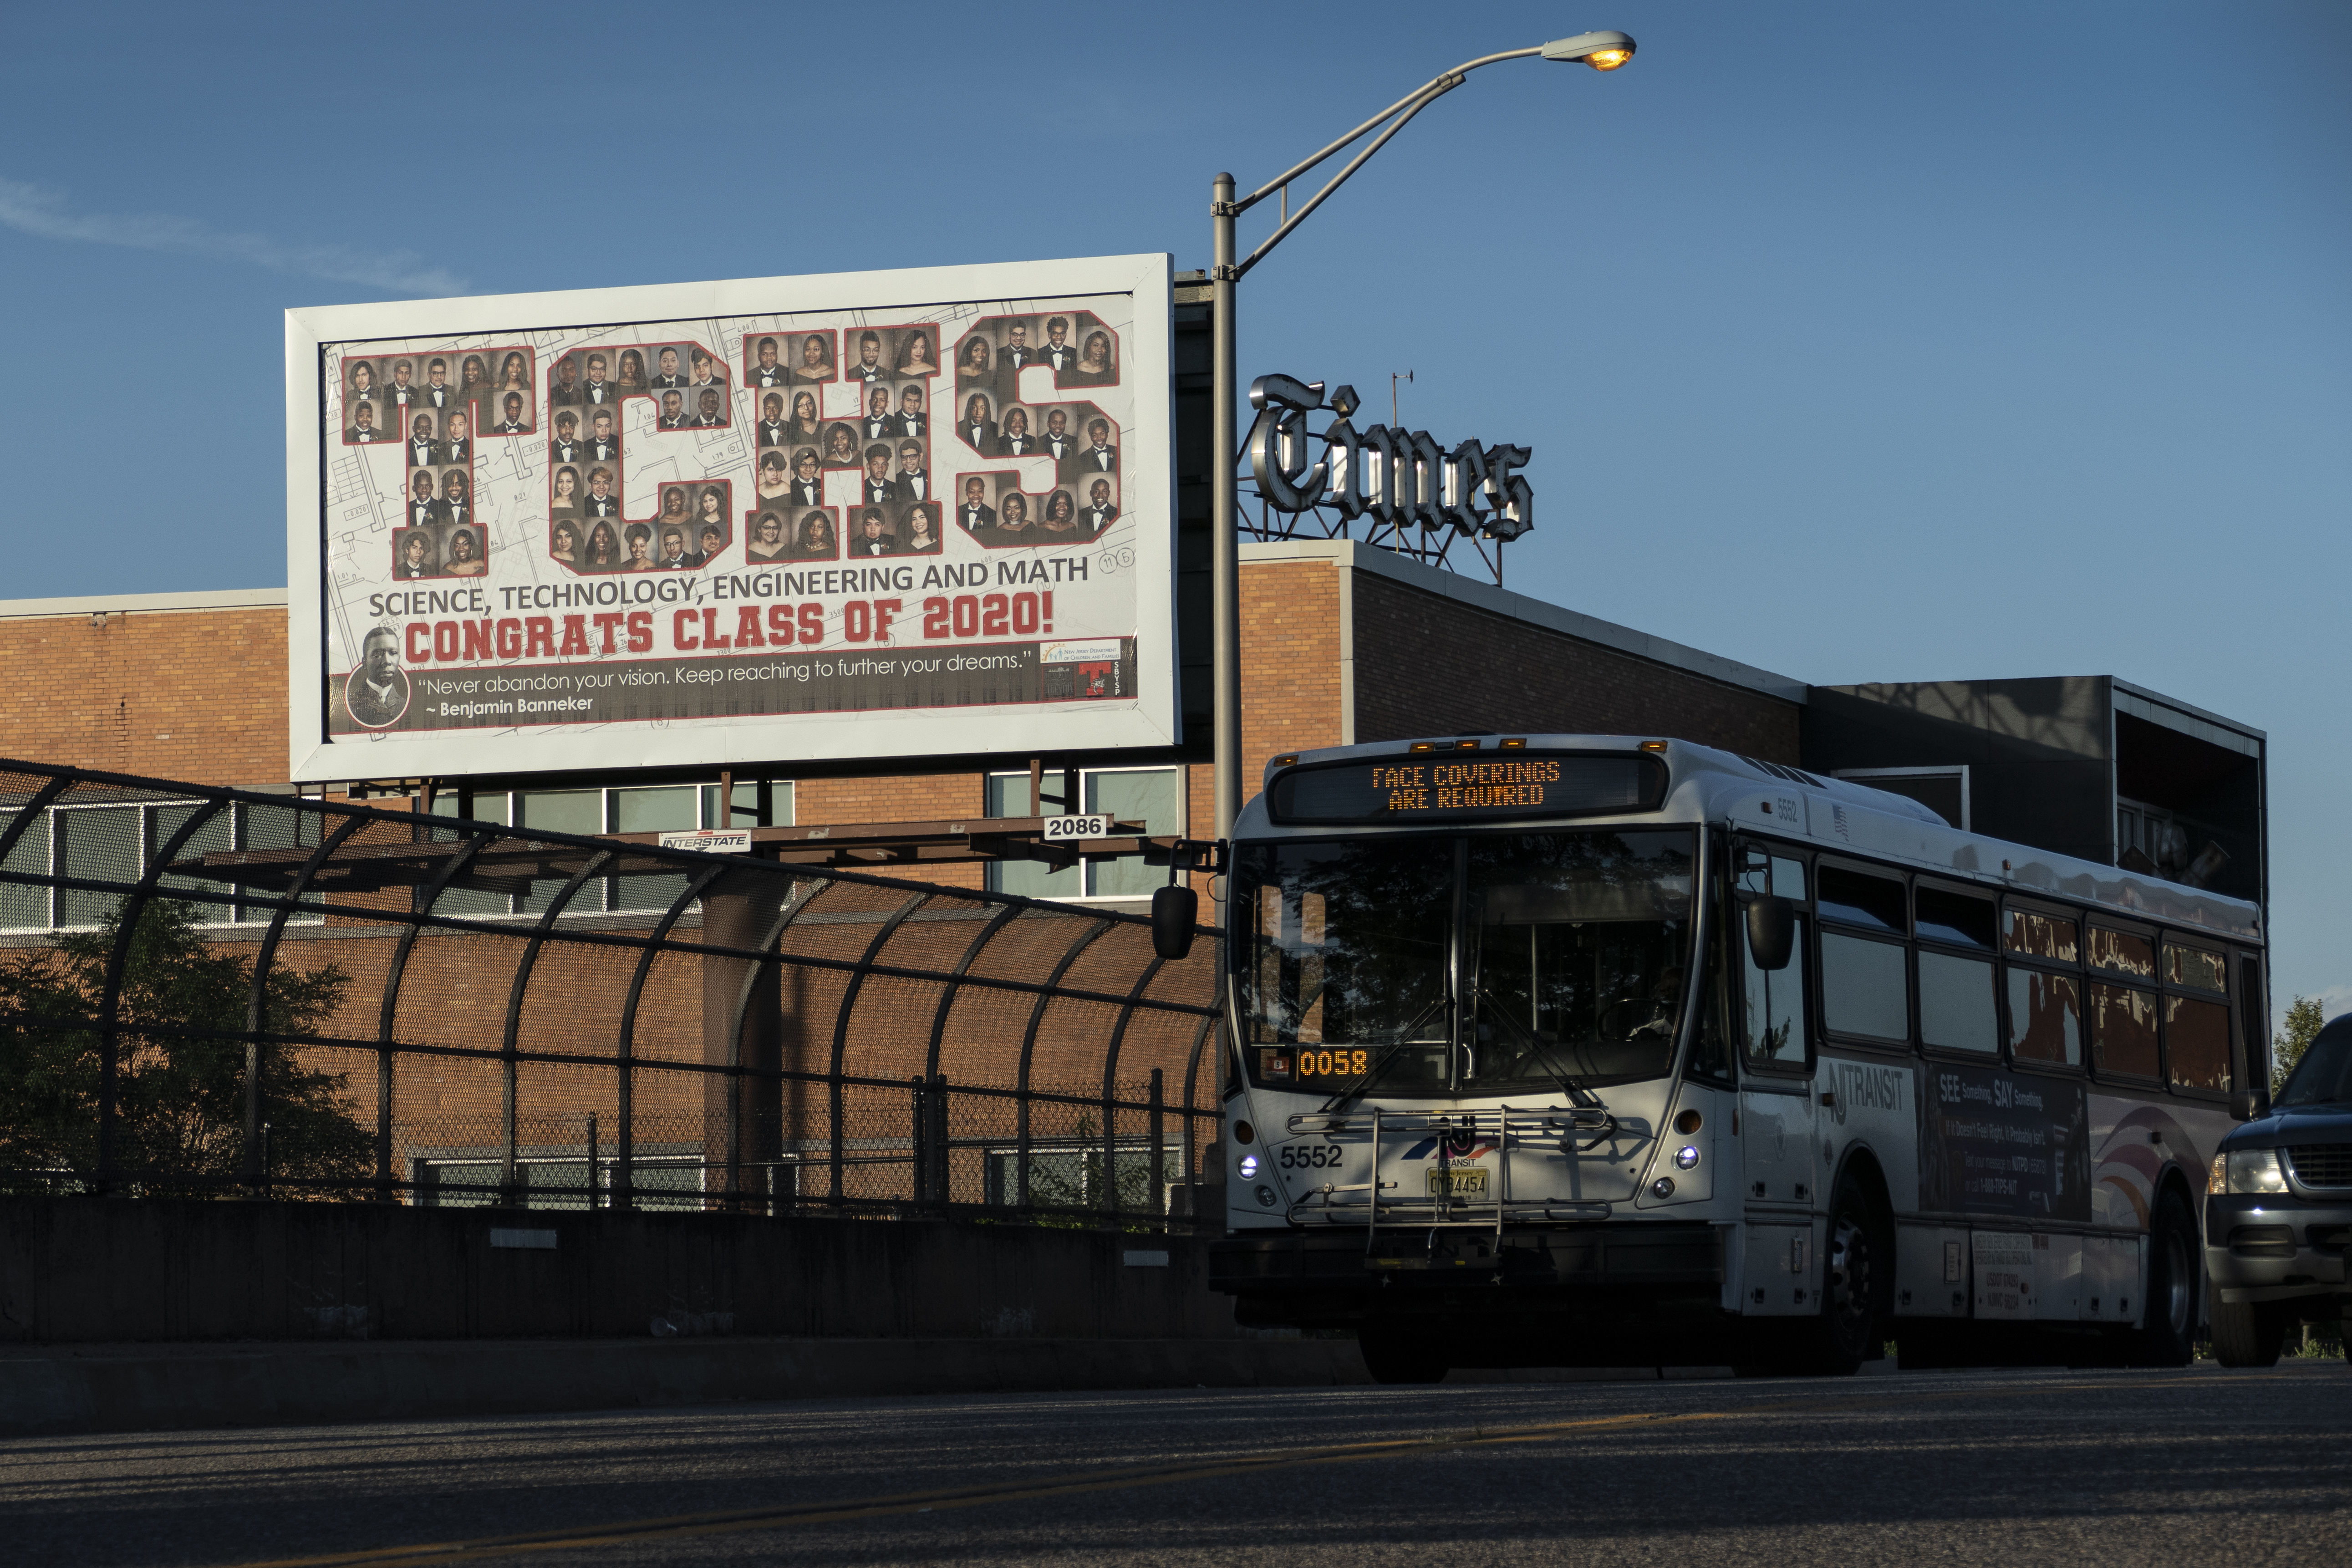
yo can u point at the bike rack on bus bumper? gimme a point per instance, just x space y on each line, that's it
1571 1129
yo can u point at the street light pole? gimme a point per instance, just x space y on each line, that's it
1602 51
1224 521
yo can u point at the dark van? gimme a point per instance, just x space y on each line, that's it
2278 1209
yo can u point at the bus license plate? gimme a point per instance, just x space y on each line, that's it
1459 1181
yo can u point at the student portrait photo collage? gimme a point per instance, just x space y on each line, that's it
437 407
847 454
884 375
992 419
585 531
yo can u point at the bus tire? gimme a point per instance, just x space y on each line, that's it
1857 1298
1857 1287
2169 1337
1400 1355
2247 1333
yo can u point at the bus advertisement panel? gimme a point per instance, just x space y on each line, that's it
873 515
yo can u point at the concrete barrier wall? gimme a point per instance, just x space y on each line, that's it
89 1269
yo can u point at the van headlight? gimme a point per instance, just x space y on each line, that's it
2248 1171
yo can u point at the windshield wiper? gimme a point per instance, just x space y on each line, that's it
1363 1081
1569 1085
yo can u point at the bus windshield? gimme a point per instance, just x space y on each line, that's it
1485 964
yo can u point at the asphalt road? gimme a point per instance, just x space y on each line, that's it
2199 1466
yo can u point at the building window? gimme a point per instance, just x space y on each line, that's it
676 808
119 844
588 812
1153 796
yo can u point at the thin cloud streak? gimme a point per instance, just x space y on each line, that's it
30 210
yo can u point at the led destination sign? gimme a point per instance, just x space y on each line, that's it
1455 787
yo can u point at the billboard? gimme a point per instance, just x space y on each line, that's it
852 516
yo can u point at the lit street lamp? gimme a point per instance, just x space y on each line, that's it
1602 51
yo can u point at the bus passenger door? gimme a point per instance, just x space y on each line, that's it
1776 1101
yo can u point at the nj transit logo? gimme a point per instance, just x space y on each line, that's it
1861 1088
1427 1150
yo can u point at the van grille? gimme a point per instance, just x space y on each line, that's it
2322 1164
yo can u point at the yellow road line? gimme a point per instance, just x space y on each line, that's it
737 1520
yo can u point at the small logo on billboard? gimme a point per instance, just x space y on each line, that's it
710 841
1081 652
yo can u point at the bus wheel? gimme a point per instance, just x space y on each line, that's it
1857 1284
1393 1354
2246 1333
1857 1280
2169 1336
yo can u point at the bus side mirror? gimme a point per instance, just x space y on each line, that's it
2243 1106
1771 933
1173 911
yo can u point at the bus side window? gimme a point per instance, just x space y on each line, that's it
1772 1005
2256 1055
1761 871
1958 1011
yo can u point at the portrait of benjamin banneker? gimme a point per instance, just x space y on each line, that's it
377 694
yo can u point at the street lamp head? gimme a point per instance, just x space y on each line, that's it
1603 51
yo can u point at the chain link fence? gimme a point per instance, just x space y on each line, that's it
212 992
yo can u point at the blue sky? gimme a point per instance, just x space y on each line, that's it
1856 341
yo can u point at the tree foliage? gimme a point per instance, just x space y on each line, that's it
179 1099
2303 1021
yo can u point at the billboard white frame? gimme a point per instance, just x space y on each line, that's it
1150 720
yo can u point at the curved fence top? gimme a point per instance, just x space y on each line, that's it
228 990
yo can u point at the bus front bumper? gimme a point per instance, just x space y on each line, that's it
1332 1277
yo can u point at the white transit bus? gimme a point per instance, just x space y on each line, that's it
1597 1051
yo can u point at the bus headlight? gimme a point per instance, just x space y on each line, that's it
1687 1157
2251 1171
1249 1166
